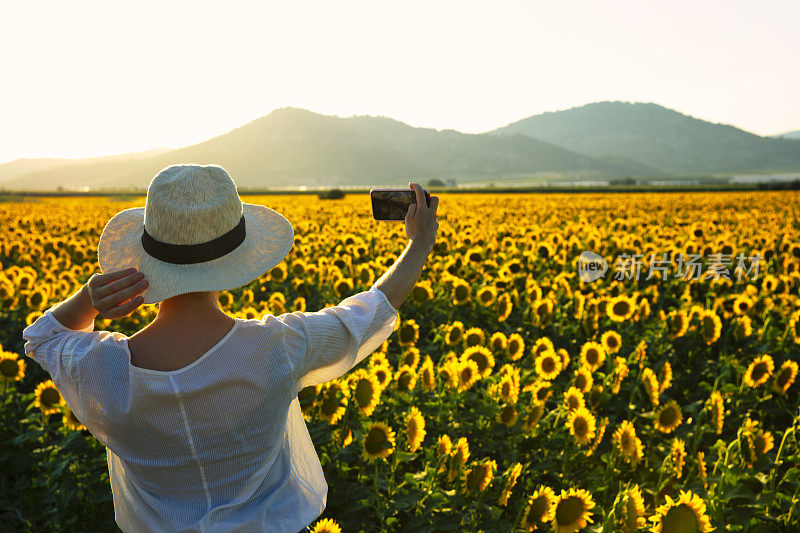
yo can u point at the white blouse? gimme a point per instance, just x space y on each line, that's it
219 445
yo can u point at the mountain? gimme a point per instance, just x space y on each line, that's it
293 147
794 135
20 167
660 138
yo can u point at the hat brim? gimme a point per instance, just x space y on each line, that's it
269 237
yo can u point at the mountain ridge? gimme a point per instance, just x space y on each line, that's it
659 137
293 146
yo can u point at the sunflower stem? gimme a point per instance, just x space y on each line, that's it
778 457
378 507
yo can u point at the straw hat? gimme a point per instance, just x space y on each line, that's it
194 234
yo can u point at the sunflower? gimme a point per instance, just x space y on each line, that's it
742 327
512 474
534 414
578 302
70 420
343 286
612 341
247 296
582 425
677 323
711 326
540 508
632 518
642 310
486 296
408 333
479 476
573 399
583 380
410 357
383 373
508 389
48 398
601 430
278 272
543 312
427 375
621 308
668 417
784 377
507 415
759 371
31 317
687 513
794 327
717 411
299 304
378 357
548 365
448 374
742 304
334 402
515 347
468 374
307 398
458 457
378 441
504 307
677 456
405 378
415 428
592 355
543 344
629 445
367 391
571 510
540 389
343 439
701 468
474 337
651 385
664 377
422 292
483 358
454 334
12 368
326 525
38 298
620 373
498 342
763 441
461 292
443 445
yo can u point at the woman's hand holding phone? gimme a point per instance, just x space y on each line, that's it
421 222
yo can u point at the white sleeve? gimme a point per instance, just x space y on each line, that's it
326 344
59 350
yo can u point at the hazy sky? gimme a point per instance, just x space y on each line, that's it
88 78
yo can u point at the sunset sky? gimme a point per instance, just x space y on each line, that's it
92 78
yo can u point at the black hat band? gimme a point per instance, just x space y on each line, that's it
187 254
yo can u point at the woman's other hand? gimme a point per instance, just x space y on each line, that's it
421 222
114 295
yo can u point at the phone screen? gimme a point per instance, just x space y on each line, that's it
393 204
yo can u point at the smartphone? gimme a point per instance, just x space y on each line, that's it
392 204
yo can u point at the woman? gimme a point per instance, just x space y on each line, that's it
199 410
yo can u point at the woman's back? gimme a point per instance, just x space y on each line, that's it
173 346
221 441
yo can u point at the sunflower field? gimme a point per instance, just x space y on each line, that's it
514 395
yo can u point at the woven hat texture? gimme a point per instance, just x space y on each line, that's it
188 205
